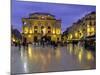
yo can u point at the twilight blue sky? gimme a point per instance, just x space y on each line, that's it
66 12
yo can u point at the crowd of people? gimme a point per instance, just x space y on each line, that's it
43 42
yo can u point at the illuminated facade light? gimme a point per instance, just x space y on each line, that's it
13 39
88 29
92 29
57 31
44 31
25 30
88 26
53 31
76 34
31 32
42 26
85 27
71 36
80 34
29 36
42 17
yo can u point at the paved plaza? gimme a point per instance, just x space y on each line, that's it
48 59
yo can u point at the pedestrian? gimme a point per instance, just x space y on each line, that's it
19 45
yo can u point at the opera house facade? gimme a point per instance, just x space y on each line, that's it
39 25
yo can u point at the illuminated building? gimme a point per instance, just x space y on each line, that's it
90 22
38 25
15 36
84 27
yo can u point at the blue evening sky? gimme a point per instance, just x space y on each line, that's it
68 13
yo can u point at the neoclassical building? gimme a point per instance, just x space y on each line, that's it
38 25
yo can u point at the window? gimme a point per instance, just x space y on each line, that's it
49 27
58 39
49 31
24 23
35 27
42 27
35 31
90 23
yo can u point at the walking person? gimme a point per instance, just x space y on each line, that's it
25 43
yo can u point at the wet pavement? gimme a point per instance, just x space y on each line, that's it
49 59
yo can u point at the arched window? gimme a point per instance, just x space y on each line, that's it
42 27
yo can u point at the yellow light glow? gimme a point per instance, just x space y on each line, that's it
89 56
16 40
70 48
81 33
53 31
80 55
44 31
29 36
92 29
13 39
54 37
70 36
88 30
30 52
58 54
30 31
76 34
88 25
58 31
26 30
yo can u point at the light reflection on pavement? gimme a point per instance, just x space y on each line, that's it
44 59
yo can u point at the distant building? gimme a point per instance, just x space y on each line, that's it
15 35
85 27
38 25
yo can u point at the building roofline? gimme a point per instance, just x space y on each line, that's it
41 13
